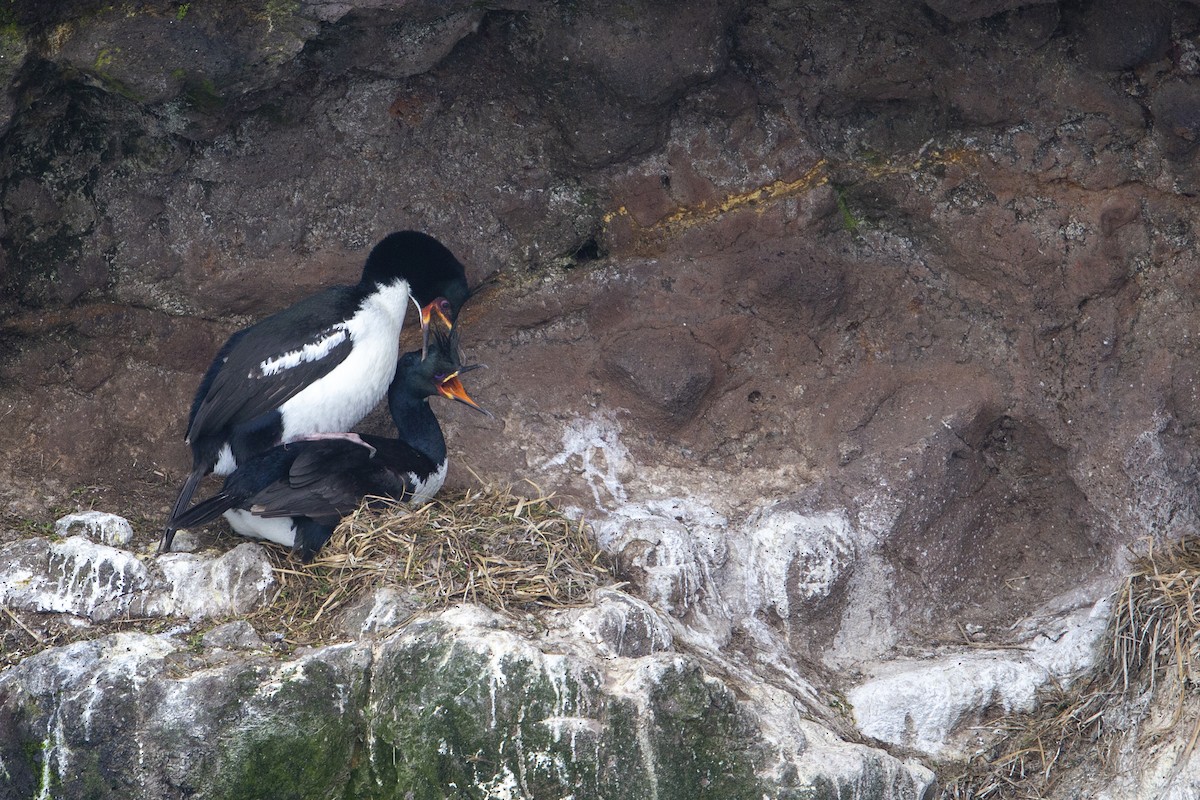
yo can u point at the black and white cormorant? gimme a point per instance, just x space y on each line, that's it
318 366
295 494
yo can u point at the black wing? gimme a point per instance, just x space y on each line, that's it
324 481
263 366
329 478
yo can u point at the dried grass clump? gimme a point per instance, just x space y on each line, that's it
1152 641
488 546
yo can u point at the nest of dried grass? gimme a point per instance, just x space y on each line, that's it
1151 650
489 546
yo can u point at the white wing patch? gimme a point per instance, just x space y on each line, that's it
313 351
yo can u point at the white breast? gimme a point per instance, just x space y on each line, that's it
423 492
343 397
278 529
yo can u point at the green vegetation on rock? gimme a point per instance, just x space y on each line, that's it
451 720
297 742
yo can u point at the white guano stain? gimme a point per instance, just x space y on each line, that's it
54 752
634 680
80 577
924 703
109 529
503 786
594 445
83 673
795 558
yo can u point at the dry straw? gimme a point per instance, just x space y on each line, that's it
1148 661
488 546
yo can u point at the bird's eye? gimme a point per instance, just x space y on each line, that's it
444 306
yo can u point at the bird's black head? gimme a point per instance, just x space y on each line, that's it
429 267
435 369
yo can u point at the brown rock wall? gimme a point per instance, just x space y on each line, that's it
931 268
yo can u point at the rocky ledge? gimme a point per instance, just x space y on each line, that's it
589 702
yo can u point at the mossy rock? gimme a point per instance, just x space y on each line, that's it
462 705
456 716
295 737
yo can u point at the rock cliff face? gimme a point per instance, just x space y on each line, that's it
864 335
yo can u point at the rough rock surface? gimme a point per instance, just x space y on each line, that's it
462 702
860 333
99 583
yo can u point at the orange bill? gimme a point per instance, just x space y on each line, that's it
436 314
452 389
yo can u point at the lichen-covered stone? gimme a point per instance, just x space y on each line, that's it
485 713
622 625
236 582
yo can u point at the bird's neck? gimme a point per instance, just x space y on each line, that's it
390 300
417 426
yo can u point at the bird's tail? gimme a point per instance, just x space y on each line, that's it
203 512
181 502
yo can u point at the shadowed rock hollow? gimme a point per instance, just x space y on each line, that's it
862 334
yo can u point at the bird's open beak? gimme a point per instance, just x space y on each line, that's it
452 389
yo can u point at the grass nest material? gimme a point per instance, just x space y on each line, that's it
488 546
1150 655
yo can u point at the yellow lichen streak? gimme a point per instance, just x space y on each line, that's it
763 197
